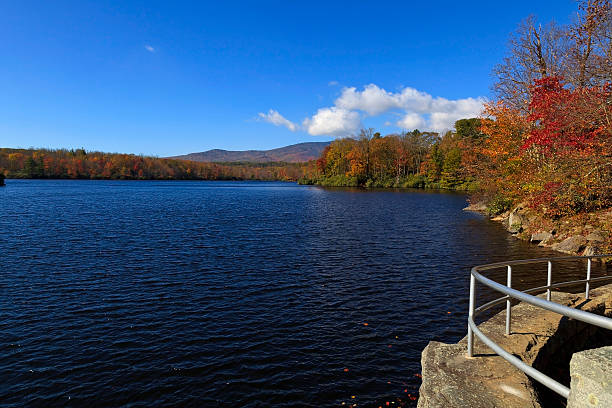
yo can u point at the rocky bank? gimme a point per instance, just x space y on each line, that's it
583 234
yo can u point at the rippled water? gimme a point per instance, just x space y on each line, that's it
231 294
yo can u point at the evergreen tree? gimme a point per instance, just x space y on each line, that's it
451 176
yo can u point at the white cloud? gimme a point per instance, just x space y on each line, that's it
333 121
441 121
412 121
443 112
372 100
149 48
333 83
277 119
418 110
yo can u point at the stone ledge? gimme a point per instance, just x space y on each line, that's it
451 379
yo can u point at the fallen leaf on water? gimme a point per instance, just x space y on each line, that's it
365 324
405 389
418 375
346 370
352 396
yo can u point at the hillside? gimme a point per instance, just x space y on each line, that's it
296 153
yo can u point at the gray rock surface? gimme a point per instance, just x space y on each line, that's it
595 236
541 237
477 207
515 222
571 245
451 379
591 384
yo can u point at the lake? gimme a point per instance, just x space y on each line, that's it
245 294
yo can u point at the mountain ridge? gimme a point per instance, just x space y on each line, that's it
295 153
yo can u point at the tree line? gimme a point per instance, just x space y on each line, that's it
409 159
81 164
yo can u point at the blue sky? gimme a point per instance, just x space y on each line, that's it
166 78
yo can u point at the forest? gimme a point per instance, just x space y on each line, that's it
80 164
545 139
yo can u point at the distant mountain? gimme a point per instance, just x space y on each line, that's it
300 152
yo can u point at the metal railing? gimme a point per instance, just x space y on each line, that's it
597 320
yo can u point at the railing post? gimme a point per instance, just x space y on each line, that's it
470 336
549 280
588 279
508 310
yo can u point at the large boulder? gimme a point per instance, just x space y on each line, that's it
571 245
541 237
596 236
591 383
515 222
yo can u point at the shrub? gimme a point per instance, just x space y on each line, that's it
499 204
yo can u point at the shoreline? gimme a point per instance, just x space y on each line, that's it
582 234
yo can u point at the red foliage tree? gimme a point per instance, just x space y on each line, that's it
566 119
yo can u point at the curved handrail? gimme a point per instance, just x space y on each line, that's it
497 301
475 275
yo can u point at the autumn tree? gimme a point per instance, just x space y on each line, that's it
589 53
570 137
534 51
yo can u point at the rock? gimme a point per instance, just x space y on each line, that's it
571 245
501 217
515 222
477 207
591 385
592 250
451 379
542 237
596 236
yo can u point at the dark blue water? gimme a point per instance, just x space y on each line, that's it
123 293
